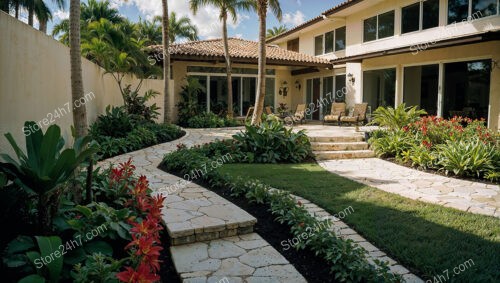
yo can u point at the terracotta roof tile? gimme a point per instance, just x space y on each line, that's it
238 48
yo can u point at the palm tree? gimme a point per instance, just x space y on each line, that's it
226 8
272 32
79 113
166 60
151 31
262 7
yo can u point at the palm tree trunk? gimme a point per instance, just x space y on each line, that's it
16 9
228 67
4 6
43 26
31 12
79 113
166 62
261 82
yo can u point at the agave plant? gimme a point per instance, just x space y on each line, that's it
44 166
396 118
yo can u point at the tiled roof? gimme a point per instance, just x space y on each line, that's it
238 49
317 19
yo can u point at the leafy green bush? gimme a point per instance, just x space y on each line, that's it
420 156
137 107
396 118
467 158
272 142
115 123
189 106
392 145
210 120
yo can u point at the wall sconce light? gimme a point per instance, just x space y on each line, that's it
351 78
284 88
297 85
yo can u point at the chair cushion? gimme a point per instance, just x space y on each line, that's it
348 119
332 117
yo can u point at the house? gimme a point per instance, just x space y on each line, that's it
440 55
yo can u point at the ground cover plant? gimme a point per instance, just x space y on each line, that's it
120 130
345 259
109 235
426 238
459 146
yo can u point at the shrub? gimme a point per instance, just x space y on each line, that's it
467 158
396 118
115 123
136 106
420 156
210 120
392 145
272 142
189 106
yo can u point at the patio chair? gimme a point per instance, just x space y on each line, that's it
358 116
338 109
248 116
300 114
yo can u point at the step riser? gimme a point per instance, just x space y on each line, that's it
337 139
343 155
336 147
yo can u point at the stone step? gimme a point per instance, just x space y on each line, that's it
336 146
351 138
243 258
343 154
196 214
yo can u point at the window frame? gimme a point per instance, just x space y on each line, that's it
470 13
323 36
420 17
377 26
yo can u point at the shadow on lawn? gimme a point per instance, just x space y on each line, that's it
428 239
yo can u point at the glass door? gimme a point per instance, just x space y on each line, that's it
313 96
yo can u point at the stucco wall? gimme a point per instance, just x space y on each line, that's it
35 81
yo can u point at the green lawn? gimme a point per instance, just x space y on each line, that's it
429 239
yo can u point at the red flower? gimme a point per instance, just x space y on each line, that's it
143 274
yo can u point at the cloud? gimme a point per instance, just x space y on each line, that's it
294 19
61 15
206 19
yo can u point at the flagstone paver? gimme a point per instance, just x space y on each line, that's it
474 197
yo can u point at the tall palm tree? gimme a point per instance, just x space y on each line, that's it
226 8
262 7
178 28
166 60
272 32
79 113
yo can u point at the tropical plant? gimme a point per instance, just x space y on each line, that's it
272 142
44 167
272 32
262 8
137 107
394 144
396 118
114 123
467 158
189 106
227 8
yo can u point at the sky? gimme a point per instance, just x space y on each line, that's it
295 12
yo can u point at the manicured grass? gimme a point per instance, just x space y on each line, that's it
429 239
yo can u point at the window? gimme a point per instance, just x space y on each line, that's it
386 25
458 10
378 27
430 18
340 38
293 45
421 87
379 88
330 41
410 18
318 45
420 16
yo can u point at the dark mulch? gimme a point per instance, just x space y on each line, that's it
167 270
312 267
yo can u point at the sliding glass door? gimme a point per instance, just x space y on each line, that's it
421 87
379 88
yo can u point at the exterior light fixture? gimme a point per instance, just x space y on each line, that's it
351 78
284 89
298 85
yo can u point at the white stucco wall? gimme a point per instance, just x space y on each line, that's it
35 81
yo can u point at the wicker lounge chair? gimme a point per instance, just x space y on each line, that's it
358 116
338 109
300 114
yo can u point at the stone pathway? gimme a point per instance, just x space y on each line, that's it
212 239
464 195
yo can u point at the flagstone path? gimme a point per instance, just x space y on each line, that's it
474 197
